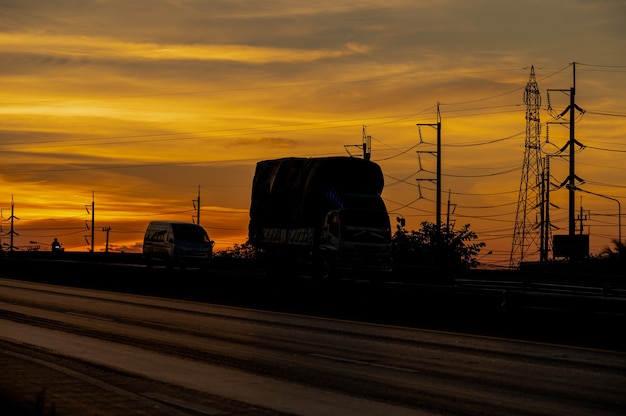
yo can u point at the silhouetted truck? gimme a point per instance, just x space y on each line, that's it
325 212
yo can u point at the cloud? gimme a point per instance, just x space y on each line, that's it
64 47
269 142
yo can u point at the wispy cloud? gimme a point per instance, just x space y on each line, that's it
76 47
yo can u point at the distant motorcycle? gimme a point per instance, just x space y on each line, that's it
56 246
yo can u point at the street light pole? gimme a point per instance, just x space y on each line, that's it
619 207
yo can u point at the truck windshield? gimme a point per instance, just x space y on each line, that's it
365 226
190 233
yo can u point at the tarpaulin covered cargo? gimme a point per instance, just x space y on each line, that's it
295 193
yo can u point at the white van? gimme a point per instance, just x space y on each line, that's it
177 243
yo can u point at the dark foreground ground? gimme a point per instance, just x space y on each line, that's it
581 309
587 309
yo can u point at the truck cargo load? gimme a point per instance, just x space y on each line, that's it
329 209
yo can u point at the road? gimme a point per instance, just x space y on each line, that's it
71 351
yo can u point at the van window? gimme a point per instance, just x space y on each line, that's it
190 232
156 235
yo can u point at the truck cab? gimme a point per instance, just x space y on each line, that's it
357 241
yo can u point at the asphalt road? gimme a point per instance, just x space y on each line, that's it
76 351
586 310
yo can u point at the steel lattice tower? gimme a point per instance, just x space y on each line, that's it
526 236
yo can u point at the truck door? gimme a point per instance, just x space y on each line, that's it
334 229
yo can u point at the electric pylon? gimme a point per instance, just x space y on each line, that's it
526 235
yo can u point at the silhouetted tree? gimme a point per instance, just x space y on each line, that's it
618 252
431 247
239 251
613 260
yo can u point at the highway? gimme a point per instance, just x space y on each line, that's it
78 351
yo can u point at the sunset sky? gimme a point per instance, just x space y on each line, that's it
140 103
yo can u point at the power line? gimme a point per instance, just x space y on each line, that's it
607 113
129 166
605 184
605 149
479 193
516 168
603 66
481 143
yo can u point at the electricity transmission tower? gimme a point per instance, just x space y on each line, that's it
526 235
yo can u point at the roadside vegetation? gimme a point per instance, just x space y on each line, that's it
433 247
454 249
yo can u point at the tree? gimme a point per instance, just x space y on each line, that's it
613 260
619 252
239 251
445 247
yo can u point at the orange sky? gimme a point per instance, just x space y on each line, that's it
140 103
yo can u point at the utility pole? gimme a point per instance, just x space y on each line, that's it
196 206
93 220
451 207
543 214
545 225
570 181
619 209
580 217
572 153
367 144
436 125
438 169
106 247
12 233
